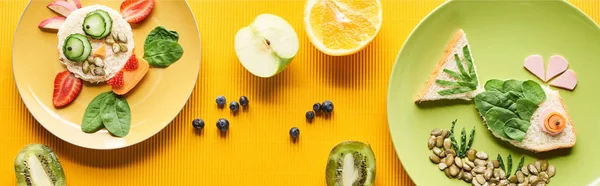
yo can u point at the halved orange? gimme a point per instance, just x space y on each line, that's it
342 27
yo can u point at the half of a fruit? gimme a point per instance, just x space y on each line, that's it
342 27
351 163
37 164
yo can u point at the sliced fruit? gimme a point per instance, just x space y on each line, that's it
37 164
535 65
556 65
100 52
66 88
267 46
94 25
77 47
108 23
567 80
351 163
52 24
342 27
135 11
132 63
62 7
117 80
132 78
76 3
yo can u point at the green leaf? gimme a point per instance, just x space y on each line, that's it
454 143
525 109
446 83
516 128
160 33
117 117
457 90
453 74
520 165
533 92
501 163
459 64
92 120
494 84
513 96
512 85
509 160
486 100
467 54
471 85
463 141
471 137
496 119
163 53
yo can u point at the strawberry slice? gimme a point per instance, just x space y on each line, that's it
135 11
66 89
117 80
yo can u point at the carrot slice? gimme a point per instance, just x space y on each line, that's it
555 123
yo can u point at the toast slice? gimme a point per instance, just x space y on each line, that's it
456 47
536 140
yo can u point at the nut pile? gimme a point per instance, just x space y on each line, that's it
118 41
478 169
93 65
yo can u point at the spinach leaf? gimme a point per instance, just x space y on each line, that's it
494 84
160 33
496 118
512 85
117 117
533 91
452 73
457 90
486 100
525 109
163 53
516 128
92 121
514 96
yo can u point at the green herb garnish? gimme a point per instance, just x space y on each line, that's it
509 167
461 151
466 80
509 161
501 163
520 165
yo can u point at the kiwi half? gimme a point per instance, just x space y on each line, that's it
351 163
37 164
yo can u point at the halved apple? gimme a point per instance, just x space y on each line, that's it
133 77
52 24
62 7
267 46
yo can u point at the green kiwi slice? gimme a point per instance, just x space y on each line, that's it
351 163
37 164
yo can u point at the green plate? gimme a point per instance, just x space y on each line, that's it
502 34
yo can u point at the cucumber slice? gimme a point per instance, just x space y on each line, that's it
94 25
77 42
73 48
107 21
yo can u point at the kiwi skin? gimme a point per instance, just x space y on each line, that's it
47 158
336 155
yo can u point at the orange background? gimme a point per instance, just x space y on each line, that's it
257 149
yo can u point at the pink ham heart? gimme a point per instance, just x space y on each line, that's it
567 80
556 65
535 65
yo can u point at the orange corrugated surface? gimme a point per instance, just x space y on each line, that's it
257 150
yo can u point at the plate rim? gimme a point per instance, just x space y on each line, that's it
396 64
129 143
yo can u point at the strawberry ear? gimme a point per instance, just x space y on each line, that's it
556 65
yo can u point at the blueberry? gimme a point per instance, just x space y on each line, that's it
327 106
221 101
294 132
310 115
198 123
317 107
234 106
244 101
223 124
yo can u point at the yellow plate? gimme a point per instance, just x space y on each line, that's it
154 102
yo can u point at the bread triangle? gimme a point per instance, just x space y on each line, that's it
447 61
536 140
